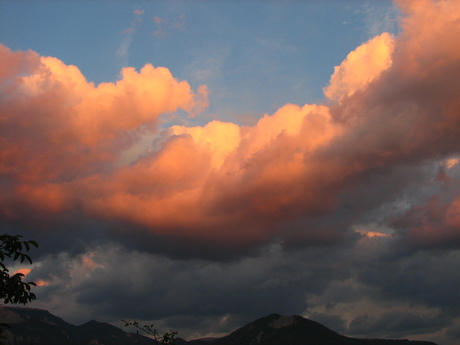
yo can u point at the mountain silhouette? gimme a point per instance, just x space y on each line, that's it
277 329
40 327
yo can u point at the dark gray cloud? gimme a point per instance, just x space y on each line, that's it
353 289
426 277
397 324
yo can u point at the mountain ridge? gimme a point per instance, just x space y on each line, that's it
40 327
276 329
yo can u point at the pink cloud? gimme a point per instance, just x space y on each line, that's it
58 127
362 66
436 223
395 101
24 271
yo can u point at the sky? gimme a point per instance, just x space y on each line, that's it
200 164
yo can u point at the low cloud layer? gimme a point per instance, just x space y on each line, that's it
313 209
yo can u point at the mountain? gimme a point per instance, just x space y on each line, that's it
39 327
276 329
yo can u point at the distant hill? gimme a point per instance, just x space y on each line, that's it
276 329
40 327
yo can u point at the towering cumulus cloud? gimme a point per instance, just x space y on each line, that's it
393 112
58 129
361 67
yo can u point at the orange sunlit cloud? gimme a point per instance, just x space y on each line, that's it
24 271
41 282
451 162
57 126
63 138
375 234
219 176
361 67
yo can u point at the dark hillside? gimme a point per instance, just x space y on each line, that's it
39 327
295 330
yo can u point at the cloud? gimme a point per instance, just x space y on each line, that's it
159 22
109 282
348 210
232 185
127 38
361 67
58 129
395 324
175 287
379 18
165 25
436 222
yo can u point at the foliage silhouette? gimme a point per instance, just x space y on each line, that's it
167 338
12 289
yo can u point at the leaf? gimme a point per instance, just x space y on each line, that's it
12 289
28 258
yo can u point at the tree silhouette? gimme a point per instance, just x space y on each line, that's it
12 289
167 338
